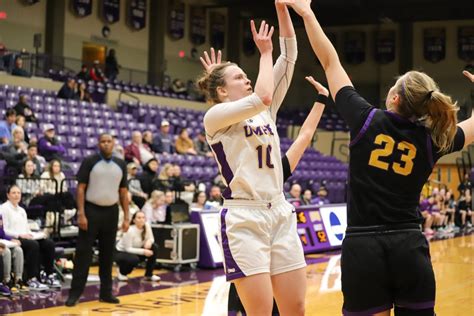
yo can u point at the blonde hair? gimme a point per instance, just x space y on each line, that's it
210 81
163 174
421 97
155 195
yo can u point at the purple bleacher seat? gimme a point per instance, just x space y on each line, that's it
74 154
75 130
62 129
91 142
74 141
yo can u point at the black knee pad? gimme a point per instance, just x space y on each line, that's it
402 311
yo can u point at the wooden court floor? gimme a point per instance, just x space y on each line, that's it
453 261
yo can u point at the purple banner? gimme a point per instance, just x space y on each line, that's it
434 44
198 25
137 14
354 47
385 46
176 16
82 8
110 10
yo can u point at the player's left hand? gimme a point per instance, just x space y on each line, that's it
319 87
209 62
468 75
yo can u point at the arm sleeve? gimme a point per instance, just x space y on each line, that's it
84 171
353 108
283 72
127 244
226 114
458 144
286 168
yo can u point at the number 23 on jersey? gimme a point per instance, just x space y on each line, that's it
404 167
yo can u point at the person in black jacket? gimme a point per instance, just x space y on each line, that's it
68 90
149 175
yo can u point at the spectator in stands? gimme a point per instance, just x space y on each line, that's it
137 244
184 144
134 185
321 199
215 195
178 86
23 108
68 90
295 192
425 213
11 252
155 207
96 73
82 94
165 178
33 244
49 146
149 177
465 184
199 201
148 139
464 206
18 69
137 151
169 197
163 142
111 65
178 182
201 145
39 161
20 122
7 127
307 197
16 151
57 177
83 75
28 182
118 150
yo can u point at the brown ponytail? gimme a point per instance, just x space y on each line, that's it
210 81
421 98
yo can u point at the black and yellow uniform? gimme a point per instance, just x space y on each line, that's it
385 257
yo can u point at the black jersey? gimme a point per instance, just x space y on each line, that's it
391 158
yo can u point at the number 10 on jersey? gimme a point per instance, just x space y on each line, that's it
261 151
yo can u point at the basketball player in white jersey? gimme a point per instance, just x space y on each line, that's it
262 251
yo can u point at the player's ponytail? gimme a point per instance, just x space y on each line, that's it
421 99
210 81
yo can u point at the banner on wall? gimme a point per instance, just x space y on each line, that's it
197 27
176 19
385 46
137 14
354 47
335 222
248 45
110 10
218 25
82 8
434 44
466 43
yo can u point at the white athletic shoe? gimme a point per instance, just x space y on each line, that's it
153 278
120 276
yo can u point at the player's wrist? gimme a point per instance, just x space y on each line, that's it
321 98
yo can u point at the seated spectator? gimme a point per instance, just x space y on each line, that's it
39 161
49 146
215 195
11 253
111 65
306 198
16 152
138 152
465 184
20 122
155 208
23 108
295 192
82 94
137 244
16 226
83 74
169 197
148 139
178 86
163 142
53 173
68 90
118 150
165 178
184 144
18 69
28 183
7 126
425 213
321 199
199 201
134 185
178 183
201 145
149 177
464 206
96 73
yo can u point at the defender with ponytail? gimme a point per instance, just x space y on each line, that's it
385 257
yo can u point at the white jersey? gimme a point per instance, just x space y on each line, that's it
244 138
